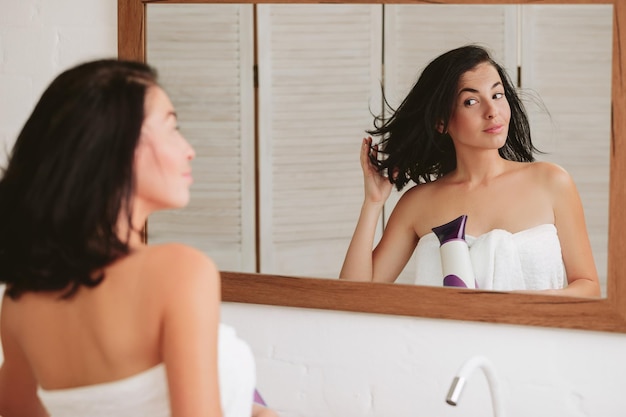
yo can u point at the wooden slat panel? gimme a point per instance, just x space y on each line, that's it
314 91
566 62
204 54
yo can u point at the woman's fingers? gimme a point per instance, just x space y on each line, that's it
377 186
366 151
366 146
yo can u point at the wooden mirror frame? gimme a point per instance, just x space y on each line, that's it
604 314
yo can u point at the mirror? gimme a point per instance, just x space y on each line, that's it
316 91
604 314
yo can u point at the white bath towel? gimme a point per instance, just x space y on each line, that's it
146 393
526 260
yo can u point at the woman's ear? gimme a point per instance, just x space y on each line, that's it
440 127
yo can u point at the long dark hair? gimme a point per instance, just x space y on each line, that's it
70 175
411 144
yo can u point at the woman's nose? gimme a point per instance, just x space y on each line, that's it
491 110
191 153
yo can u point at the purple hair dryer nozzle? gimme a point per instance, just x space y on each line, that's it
453 230
456 264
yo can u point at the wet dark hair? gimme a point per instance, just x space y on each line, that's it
69 176
410 142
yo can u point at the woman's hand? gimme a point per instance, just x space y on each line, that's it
377 186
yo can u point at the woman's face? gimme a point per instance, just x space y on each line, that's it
162 157
481 113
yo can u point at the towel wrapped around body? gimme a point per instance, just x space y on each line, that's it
527 260
146 393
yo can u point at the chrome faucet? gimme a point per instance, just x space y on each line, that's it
492 380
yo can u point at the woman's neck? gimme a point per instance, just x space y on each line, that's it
131 229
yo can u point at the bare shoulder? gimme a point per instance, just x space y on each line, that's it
545 168
410 200
176 264
551 175
421 196
167 252
419 192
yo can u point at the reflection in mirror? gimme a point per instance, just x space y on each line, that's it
276 116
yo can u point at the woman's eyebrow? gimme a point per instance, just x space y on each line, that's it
472 90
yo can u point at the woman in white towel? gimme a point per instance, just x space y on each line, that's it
94 322
462 136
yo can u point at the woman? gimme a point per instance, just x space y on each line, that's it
463 137
95 322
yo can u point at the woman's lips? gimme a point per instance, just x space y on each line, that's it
494 129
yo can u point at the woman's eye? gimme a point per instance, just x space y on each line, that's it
470 102
498 95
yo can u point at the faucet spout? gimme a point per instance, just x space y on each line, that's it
456 388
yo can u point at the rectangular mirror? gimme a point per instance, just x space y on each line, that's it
515 19
317 90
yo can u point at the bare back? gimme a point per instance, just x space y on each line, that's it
102 334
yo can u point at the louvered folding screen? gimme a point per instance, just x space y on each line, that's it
416 34
566 61
319 77
204 55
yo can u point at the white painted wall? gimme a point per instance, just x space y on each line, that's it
39 39
315 363
321 363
